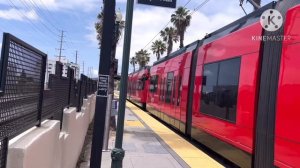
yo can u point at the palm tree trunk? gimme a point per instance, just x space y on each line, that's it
181 39
170 47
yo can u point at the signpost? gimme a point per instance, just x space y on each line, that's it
162 3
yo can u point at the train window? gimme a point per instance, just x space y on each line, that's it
153 83
169 85
220 89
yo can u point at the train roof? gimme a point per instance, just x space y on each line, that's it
141 69
185 49
238 24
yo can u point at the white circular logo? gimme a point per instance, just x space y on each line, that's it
271 20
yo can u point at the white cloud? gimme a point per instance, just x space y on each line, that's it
92 35
82 5
20 15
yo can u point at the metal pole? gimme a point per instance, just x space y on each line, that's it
76 65
107 123
106 48
61 42
118 153
254 4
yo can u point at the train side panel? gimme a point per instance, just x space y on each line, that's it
225 93
287 133
169 100
139 86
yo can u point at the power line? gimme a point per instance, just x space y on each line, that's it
26 18
200 6
48 11
44 14
163 28
30 7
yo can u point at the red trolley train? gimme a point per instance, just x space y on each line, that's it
236 91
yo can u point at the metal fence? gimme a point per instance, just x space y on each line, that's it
23 101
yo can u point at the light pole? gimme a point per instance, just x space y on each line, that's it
103 83
118 153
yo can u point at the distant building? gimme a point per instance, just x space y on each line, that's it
51 68
76 68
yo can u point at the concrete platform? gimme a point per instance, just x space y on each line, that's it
150 144
142 148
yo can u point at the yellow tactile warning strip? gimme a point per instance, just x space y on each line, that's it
194 157
129 123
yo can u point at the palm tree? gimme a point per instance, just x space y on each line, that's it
133 62
142 58
181 19
169 35
158 48
119 26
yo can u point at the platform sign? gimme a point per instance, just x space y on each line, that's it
114 107
162 3
103 85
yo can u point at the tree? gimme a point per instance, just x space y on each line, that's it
133 62
169 35
158 48
142 58
119 26
181 19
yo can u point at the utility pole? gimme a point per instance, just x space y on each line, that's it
61 45
103 84
83 67
76 58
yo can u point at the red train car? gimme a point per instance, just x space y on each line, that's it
138 86
169 83
237 90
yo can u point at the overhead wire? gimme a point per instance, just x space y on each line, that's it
30 7
44 15
196 9
22 15
48 11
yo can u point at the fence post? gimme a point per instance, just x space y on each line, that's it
40 108
79 83
71 77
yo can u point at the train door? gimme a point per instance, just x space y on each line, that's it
177 89
173 99
169 97
161 96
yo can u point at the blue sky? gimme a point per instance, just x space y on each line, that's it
39 23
